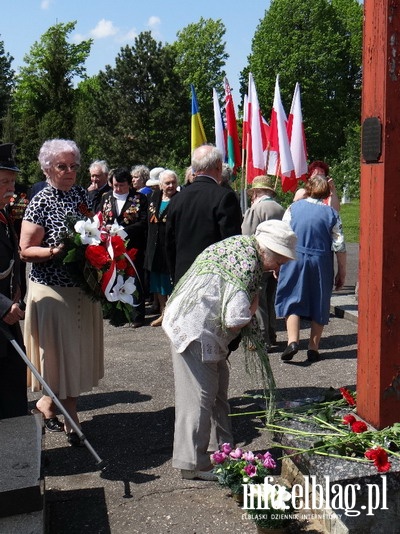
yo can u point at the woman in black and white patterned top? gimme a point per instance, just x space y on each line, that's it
63 327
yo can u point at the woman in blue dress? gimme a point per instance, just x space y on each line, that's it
305 286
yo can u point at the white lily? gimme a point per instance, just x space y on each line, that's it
89 231
123 290
116 229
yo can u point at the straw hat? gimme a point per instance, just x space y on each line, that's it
263 182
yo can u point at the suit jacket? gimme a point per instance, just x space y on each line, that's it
199 216
264 210
9 285
96 196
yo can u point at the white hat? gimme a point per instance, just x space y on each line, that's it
277 236
155 176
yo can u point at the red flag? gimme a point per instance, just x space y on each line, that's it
232 139
297 139
279 158
255 164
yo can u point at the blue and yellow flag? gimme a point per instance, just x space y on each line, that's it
198 136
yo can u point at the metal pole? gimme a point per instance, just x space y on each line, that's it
50 393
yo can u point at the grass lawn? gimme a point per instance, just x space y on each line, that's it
350 215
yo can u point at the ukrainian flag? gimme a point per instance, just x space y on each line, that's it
198 135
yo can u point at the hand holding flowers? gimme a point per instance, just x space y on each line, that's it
99 259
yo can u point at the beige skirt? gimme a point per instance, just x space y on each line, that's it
63 334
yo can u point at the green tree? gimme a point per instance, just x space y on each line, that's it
7 83
141 110
317 44
44 100
201 58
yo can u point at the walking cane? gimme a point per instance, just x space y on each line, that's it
49 392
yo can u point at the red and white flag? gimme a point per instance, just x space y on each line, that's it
279 156
297 140
255 162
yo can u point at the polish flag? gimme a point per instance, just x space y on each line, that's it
255 164
297 140
279 156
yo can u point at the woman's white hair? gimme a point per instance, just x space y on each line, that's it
52 148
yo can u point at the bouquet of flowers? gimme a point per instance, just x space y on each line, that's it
235 467
98 258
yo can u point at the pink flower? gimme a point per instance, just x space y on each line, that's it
250 470
349 419
226 448
268 461
248 456
236 454
218 457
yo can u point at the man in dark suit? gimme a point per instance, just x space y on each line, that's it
99 183
201 214
13 389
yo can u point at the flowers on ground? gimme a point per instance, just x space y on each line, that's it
235 467
337 434
97 256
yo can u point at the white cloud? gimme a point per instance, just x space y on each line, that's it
45 4
154 24
104 28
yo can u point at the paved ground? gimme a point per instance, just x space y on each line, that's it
129 418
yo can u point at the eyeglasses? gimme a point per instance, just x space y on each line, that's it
62 167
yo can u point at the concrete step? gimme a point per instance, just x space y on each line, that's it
21 485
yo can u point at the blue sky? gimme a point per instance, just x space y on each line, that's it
113 24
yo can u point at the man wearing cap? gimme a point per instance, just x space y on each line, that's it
201 214
263 208
13 388
212 303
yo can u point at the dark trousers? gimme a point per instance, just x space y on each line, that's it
13 388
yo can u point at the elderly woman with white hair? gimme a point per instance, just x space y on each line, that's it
156 256
210 306
63 326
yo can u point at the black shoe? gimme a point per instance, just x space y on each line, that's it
290 351
53 424
137 324
74 439
313 355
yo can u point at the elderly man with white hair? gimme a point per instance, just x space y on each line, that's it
210 306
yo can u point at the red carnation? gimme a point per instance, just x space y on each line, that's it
122 264
359 427
349 419
132 253
347 396
97 256
118 245
380 459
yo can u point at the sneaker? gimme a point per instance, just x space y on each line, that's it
192 474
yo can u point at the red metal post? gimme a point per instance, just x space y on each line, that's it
378 375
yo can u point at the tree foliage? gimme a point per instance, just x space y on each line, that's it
317 44
6 81
43 104
141 110
201 58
